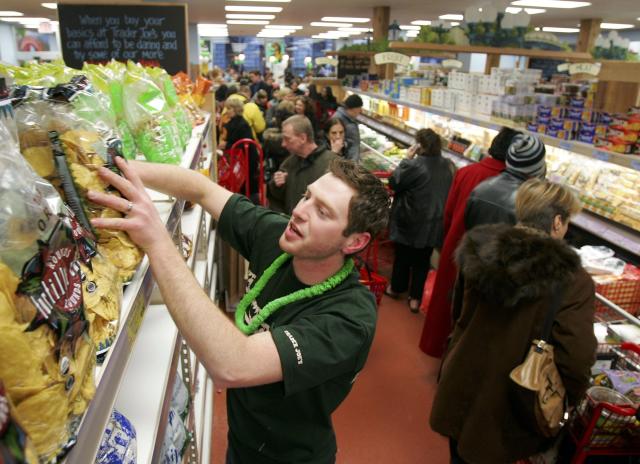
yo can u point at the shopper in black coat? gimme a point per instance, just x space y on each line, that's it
421 184
494 200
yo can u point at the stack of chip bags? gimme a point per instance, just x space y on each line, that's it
48 360
185 88
183 123
148 115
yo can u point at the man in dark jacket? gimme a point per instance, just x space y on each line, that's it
305 165
348 114
258 84
493 201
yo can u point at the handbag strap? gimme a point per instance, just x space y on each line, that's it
554 305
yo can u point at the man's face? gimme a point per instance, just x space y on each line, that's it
318 220
254 78
292 142
354 112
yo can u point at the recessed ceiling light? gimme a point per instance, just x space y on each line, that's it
318 36
249 16
452 17
340 19
323 24
420 22
278 26
615 26
212 30
11 13
531 11
28 20
262 1
241 21
353 29
409 28
253 9
562 30
51 6
550 3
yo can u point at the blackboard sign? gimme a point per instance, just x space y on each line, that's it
353 65
150 34
549 67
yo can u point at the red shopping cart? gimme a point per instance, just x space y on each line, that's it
605 422
233 168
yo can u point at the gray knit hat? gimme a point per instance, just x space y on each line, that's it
525 155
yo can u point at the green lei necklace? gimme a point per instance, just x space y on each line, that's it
273 306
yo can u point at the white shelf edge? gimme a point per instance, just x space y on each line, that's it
591 151
135 300
148 381
205 445
199 405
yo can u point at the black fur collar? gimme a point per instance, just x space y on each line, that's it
511 265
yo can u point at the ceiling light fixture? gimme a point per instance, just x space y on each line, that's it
531 11
561 30
262 1
278 26
454 23
565 4
353 29
324 24
340 19
240 21
420 22
615 26
11 13
409 28
249 16
452 17
51 6
254 9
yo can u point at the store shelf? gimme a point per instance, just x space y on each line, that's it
413 47
199 407
609 231
133 309
205 447
628 161
146 389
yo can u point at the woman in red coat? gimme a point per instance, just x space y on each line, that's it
438 323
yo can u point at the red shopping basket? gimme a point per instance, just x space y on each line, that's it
376 283
233 169
602 427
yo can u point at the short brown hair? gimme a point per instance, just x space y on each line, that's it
539 201
300 125
369 207
430 144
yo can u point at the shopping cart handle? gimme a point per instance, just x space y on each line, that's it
631 347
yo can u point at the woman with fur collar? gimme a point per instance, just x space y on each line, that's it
501 299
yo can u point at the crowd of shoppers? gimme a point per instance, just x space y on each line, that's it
498 225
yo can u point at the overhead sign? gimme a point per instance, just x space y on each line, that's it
581 68
392 58
452 64
326 60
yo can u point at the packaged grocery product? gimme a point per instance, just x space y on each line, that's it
624 382
67 149
15 445
118 444
180 397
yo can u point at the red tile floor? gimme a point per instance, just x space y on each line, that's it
384 420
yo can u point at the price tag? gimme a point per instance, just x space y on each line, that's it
601 155
137 314
565 145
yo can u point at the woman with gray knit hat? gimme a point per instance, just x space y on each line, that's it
493 201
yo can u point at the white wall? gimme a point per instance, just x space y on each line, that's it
8 48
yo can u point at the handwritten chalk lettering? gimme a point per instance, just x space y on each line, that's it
129 55
129 44
148 34
86 20
124 33
73 44
96 44
131 20
79 55
98 55
79 33
147 45
153 21
101 33
170 45
169 35
112 21
152 54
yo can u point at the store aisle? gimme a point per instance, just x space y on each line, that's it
385 418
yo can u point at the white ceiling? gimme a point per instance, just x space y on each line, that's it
302 12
